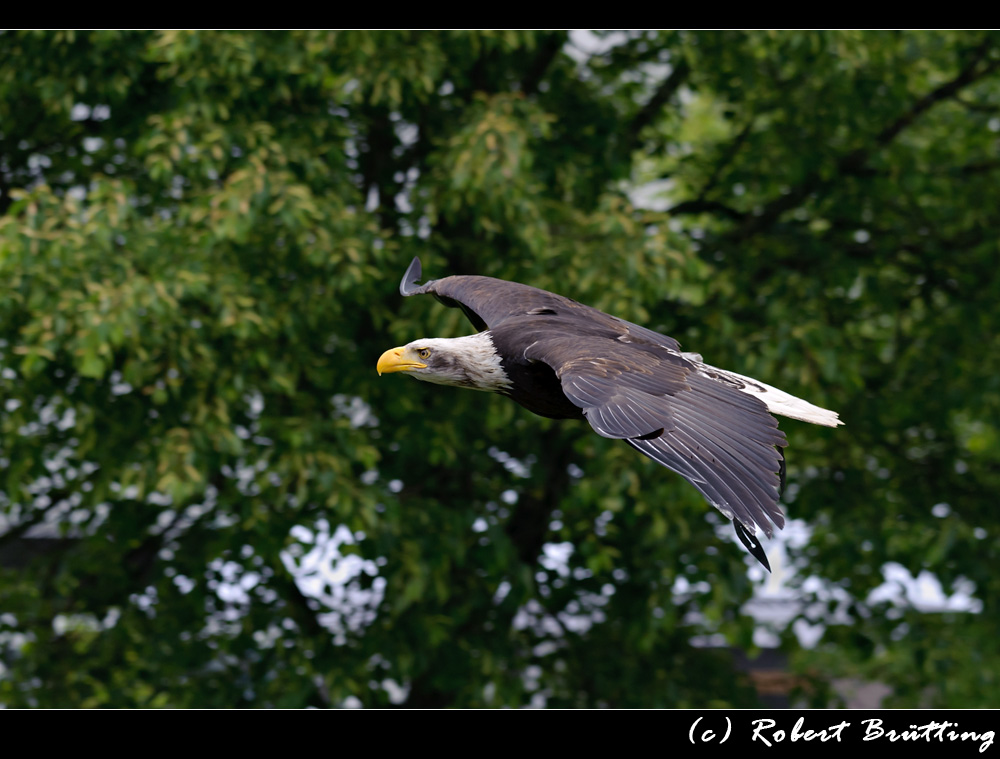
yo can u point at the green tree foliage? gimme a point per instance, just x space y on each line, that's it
208 497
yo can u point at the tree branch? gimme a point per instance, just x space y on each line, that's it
37 517
529 521
727 157
706 206
547 53
967 76
663 93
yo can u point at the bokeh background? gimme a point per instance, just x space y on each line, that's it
208 498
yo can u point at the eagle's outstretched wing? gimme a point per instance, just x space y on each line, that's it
722 441
488 302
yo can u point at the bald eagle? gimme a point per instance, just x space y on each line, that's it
564 360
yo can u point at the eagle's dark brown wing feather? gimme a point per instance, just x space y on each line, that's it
722 441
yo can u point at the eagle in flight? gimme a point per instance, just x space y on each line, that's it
564 360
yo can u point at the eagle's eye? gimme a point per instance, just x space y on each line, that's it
424 353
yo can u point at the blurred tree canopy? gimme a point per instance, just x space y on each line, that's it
208 497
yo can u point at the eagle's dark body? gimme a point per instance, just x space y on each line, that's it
565 360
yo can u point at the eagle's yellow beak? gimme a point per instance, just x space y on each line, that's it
398 360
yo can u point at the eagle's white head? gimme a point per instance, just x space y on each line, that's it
470 362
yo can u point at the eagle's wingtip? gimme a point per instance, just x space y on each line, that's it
413 274
752 544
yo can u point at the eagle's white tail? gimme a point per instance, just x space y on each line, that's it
780 402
